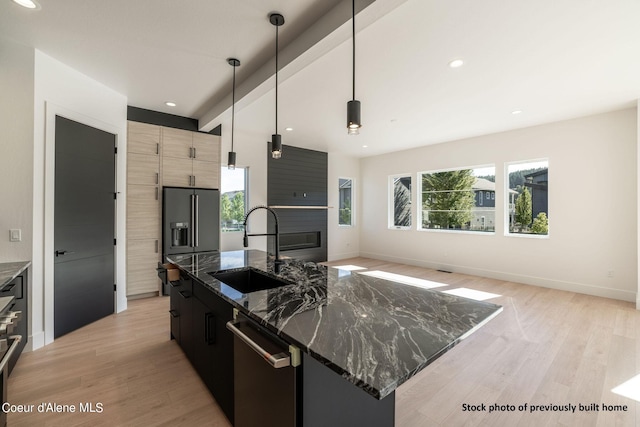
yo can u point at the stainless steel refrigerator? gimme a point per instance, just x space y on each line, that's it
190 220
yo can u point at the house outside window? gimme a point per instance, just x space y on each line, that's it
233 198
345 202
458 199
528 201
400 201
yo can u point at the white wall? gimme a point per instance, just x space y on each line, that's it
61 90
343 242
16 161
592 207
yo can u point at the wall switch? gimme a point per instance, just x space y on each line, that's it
15 235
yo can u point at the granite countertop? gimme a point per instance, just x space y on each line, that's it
11 270
373 332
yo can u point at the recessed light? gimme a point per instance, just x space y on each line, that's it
170 104
456 63
288 129
516 112
29 4
364 146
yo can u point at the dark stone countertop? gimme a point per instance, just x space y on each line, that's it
373 332
11 270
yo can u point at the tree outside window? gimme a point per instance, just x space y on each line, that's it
528 200
345 196
458 200
233 198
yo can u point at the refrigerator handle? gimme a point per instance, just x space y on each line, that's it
192 229
197 221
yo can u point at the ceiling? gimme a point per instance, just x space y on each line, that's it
550 59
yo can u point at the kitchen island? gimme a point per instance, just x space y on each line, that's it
372 333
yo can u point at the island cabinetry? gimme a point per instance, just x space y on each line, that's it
190 159
143 208
18 289
181 312
203 337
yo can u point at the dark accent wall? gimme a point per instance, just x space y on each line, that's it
142 115
299 178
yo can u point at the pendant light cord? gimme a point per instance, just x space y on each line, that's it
353 39
233 105
276 79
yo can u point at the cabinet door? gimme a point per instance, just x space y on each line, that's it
143 212
219 354
177 143
143 138
177 172
185 302
143 169
142 260
206 174
206 147
174 310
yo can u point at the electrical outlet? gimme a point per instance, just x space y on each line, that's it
15 235
610 274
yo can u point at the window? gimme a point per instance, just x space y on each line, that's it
233 198
400 203
458 200
345 199
527 200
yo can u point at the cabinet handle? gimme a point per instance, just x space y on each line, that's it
157 148
194 152
156 193
156 245
191 152
209 328
174 313
194 180
184 294
157 178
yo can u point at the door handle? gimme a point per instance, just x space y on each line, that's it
196 221
277 361
63 252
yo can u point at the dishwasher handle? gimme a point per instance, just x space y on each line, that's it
277 361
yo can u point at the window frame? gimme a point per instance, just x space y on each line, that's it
507 232
246 195
481 197
391 202
353 208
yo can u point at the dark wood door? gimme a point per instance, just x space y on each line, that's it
84 225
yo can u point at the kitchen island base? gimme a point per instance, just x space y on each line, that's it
330 400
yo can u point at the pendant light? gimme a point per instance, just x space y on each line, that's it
353 107
276 139
231 163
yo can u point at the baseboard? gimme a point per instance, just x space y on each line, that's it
344 255
517 278
35 342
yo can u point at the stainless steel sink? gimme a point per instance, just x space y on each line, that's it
248 280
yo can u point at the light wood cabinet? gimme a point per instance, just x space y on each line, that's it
159 156
143 138
190 159
143 212
144 207
142 257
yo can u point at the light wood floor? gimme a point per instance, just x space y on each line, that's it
546 347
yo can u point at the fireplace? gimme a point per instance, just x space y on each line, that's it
300 240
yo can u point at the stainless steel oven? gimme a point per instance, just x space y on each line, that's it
9 342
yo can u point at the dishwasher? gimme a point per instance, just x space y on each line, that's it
265 376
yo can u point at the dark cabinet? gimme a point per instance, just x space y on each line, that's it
18 289
198 324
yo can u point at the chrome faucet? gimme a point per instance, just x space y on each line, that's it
276 234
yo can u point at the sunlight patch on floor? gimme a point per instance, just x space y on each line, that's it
630 389
407 280
348 267
471 294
